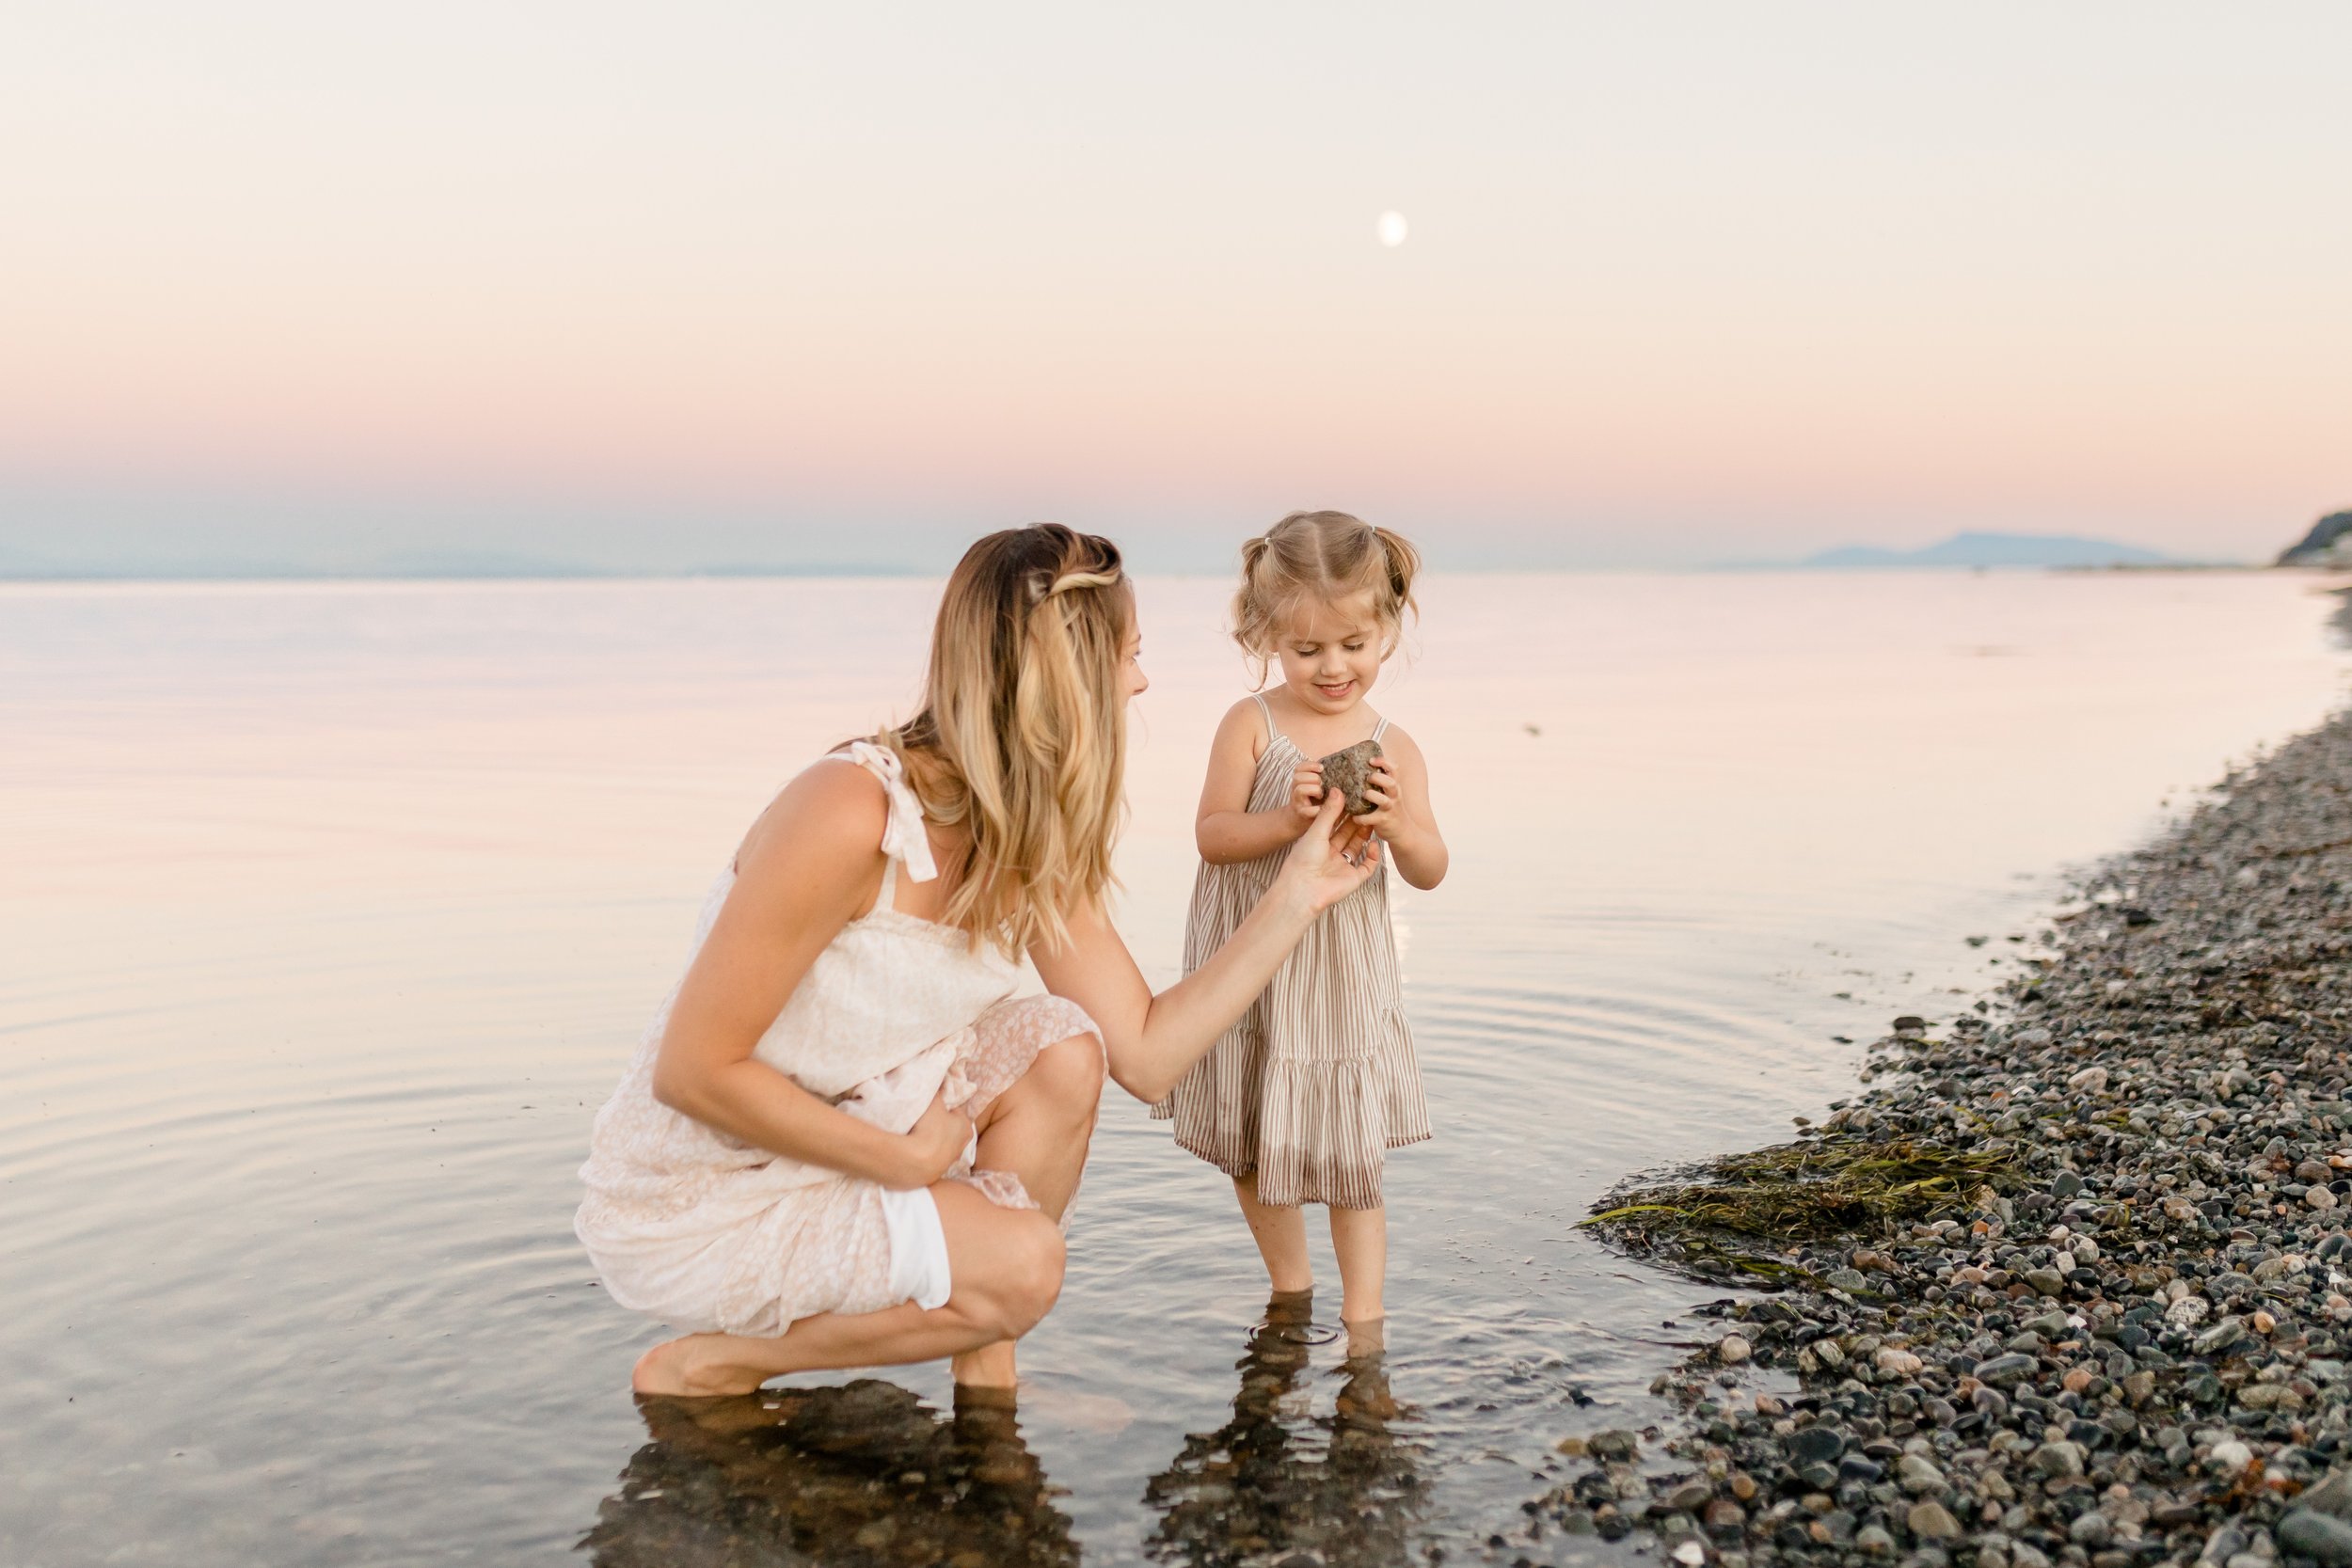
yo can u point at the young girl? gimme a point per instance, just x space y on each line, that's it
1299 1101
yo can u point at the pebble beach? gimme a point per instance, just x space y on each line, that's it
2076 1285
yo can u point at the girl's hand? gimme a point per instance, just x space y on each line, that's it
1306 793
1331 858
1387 793
933 1145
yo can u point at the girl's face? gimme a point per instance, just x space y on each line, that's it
1330 652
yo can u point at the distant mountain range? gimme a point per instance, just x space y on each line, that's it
1992 549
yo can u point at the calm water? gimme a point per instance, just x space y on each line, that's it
330 913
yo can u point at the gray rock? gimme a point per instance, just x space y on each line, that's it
2091 1531
2221 1337
1689 1496
2058 1459
1614 1444
2230 1457
2308 1533
2225 1542
2331 1496
1814 1445
1918 1476
1349 772
2005 1371
1932 1521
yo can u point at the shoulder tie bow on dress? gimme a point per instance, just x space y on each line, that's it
903 837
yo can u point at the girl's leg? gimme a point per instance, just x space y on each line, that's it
1281 1235
1038 1129
1007 1267
1361 1237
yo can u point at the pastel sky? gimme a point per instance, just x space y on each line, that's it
705 283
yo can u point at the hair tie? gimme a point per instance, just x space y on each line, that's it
1069 581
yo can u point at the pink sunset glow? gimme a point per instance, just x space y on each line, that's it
1677 284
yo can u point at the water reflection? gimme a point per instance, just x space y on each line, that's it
1280 1484
863 1475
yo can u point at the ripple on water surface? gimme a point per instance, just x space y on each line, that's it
334 912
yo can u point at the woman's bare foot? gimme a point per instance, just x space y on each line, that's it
693 1367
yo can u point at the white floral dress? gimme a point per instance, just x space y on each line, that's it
707 1232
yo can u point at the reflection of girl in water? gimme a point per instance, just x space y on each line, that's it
863 1473
1276 1479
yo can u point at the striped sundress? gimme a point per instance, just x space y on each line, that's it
1317 1081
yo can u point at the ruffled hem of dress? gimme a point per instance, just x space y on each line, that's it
1323 1128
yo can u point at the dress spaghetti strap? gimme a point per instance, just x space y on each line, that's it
1272 735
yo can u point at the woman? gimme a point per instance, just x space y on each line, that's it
841 1145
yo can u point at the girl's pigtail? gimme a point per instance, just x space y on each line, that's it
1403 565
1253 609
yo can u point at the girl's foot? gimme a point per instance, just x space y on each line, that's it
1291 1306
1366 1336
693 1367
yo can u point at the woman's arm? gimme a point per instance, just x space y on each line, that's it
1152 1041
808 866
1399 790
1227 831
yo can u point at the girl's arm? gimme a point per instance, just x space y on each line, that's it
1399 787
1227 831
1152 1041
808 866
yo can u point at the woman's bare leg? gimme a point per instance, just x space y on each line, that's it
1039 1129
1006 1265
1360 1238
1281 1237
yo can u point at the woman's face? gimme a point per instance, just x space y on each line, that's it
1131 661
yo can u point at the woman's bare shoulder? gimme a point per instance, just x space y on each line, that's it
832 811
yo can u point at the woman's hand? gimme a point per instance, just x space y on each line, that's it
932 1146
1306 793
1333 858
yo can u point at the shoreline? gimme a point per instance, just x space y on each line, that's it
2067 1280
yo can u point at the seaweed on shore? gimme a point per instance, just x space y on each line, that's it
1813 1189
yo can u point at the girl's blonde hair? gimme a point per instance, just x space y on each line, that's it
1022 736
1327 556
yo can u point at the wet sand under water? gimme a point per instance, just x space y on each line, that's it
333 911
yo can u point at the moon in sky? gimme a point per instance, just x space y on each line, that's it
1393 229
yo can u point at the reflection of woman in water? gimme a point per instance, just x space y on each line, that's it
1276 1479
863 1473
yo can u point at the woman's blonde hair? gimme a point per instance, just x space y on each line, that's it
1022 736
1325 556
